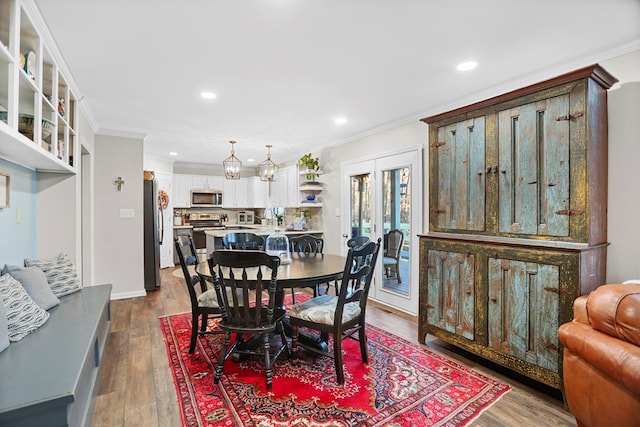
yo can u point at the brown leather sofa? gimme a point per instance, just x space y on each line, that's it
602 357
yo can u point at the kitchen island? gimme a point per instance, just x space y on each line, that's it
214 237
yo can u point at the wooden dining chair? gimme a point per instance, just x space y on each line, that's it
391 257
343 315
243 240
358 241
308 244
244 312
204 303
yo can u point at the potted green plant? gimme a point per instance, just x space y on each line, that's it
311 165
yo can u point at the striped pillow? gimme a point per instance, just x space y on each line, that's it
61 274
23 314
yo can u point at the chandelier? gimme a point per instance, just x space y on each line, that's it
268 169
232 165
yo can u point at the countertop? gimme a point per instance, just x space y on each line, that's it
259 230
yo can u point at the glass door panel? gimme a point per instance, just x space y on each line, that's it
360 205
396 223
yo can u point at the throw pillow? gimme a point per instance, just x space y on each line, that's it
61 274
23 314
35 283
4 327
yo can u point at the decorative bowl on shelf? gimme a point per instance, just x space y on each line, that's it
25 125
311 197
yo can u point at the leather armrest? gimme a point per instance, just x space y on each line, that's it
615 358
580 310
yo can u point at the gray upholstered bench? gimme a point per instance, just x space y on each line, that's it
49 377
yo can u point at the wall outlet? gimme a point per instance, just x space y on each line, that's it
127 213
18 216
338 212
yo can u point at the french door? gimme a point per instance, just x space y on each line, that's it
380 195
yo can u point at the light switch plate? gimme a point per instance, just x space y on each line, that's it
127 213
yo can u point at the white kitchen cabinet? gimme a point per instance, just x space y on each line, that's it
234 193
257 193
181 190
284 190
207 182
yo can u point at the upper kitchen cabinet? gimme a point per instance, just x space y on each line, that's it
37 105
284 190
527 164
206 182
181 190
234 193
257 193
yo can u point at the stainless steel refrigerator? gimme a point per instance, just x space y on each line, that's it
153 234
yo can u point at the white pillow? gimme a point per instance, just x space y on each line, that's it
61 274
34 281
4 328
23 314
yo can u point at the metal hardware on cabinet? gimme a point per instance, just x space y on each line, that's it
569 212
494 299
434 210
438 144
570 116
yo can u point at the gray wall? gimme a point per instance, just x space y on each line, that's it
118 242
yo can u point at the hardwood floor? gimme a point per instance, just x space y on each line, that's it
135 387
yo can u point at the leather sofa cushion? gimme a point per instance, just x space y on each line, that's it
616 359
615 311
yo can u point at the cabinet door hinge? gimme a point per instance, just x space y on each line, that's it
570 116
569 212
438 211
438 144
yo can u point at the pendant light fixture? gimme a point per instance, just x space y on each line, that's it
232 165
268 169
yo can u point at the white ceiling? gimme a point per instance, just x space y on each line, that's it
283 70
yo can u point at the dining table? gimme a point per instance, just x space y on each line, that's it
304 271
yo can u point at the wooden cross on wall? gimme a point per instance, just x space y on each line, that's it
119 183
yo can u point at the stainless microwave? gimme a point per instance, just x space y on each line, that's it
206 198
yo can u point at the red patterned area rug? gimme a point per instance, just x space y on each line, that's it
402 385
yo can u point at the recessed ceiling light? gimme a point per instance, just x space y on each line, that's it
466 66
208 95
173 153
340 121
251 160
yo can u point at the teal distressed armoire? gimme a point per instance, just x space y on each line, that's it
517 220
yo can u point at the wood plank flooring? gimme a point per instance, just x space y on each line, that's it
135 387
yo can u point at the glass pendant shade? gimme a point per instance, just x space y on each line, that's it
232 165
268 169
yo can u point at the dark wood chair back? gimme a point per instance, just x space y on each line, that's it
357 242
200 312
306 244
354 289
242 280
309 245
